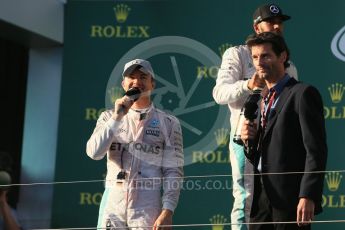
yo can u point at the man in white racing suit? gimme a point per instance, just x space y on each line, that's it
144 150
235 81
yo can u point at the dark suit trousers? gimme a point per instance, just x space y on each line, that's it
262 211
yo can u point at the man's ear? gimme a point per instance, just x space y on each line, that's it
122 84
153 82
283 56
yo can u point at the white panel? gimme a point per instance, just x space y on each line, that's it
40 136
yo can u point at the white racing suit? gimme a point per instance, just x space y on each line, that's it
232 89
148 148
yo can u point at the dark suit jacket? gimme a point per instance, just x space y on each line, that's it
293 141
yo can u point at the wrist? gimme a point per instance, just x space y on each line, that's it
116 117
167 212
3 206
249 85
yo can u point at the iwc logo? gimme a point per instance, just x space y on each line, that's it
333 198
338 44
120 30
218 222
336 111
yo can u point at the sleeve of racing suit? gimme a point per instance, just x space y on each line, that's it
172 166
230 85
292 70
102 136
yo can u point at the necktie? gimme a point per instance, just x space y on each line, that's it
266 108
265 111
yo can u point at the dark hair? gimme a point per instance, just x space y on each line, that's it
278 43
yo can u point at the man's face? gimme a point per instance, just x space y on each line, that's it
138 79
274 25
267 64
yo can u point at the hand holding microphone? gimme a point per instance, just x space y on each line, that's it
122 105
248 133
256 81
251 110
247 116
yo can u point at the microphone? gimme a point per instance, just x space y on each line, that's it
249 111
251 104
133 94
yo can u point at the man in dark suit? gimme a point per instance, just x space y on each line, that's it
287 146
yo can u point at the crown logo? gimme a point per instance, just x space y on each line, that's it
333 180
223 47
115 93
121 12
218 221
336 91
222 136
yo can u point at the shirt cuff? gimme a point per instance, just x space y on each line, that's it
245 86
169 205
113 125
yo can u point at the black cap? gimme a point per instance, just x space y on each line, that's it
265 12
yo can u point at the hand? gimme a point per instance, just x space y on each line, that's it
165 218
248 132
3 196
256 82
305 211
6 213
121 107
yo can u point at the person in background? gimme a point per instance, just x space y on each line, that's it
8 216
236 79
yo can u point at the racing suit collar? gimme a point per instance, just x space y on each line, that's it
140 114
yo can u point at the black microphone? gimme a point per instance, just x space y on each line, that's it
133 94
251 105
249 111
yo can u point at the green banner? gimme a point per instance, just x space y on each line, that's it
184 41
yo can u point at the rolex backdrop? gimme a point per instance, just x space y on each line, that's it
184 41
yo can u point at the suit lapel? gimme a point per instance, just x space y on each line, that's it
280 103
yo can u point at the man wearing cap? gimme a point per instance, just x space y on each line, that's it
236 79
144 152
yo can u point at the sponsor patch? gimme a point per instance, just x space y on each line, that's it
121 130
154 123
152 132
